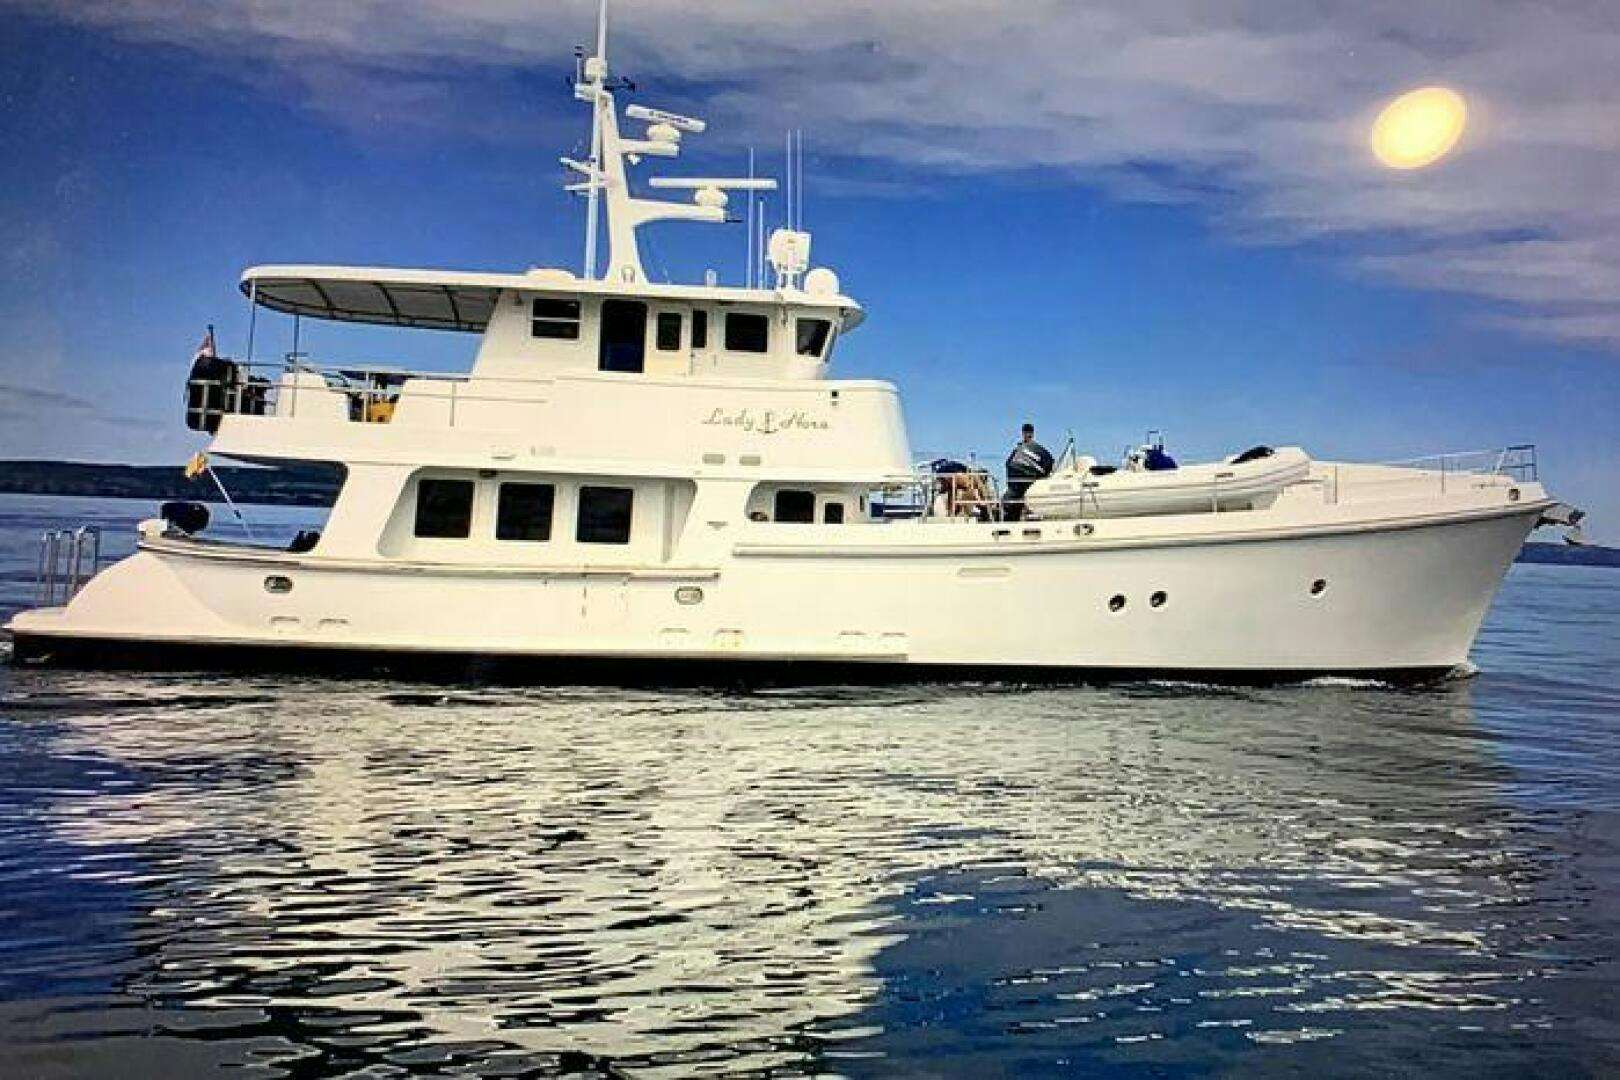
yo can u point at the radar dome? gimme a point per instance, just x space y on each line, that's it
821 282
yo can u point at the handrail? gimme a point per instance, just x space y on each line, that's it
53 579
249 388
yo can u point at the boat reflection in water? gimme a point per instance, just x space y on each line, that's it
321 876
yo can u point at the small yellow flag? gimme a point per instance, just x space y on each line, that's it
197 465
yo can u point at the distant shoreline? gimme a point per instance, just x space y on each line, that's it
301 485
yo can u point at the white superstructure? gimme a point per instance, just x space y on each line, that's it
664 475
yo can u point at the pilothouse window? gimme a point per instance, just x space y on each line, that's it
747 332
524 512
556 319
604 515
444 508
812 336
700 329
669 331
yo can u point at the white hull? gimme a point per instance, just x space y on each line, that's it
1406 597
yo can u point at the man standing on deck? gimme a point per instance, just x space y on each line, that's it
1028 462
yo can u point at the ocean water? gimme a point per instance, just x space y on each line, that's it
253 877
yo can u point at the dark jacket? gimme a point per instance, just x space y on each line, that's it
1028 461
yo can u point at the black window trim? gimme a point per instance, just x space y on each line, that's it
559 327
805 514
501 508
817 349
660 321
585 493
425 484
764 323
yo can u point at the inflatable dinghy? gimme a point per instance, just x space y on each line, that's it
1241 482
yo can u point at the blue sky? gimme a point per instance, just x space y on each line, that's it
1103 221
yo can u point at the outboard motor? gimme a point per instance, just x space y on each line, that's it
188 517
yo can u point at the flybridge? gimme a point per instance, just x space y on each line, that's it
606 177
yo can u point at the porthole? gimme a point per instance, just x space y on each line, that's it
1084 530
276 583
1513 494
1158 599
689 595
1319 586
1116 602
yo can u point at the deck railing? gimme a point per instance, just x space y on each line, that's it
1442 474
371 393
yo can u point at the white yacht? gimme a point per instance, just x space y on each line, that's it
666 480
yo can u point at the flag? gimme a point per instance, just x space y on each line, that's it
205 351
197 465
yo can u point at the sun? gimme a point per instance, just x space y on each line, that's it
1419 128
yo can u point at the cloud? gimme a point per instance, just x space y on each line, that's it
18 398
1255 111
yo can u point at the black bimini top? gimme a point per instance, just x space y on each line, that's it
427 299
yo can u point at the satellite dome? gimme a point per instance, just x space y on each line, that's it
821 282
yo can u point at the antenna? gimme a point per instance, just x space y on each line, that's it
595 70
748 259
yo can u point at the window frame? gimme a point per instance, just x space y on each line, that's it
818 343
424 484
662 321
806 516
586 494
735 318
549 521
560 327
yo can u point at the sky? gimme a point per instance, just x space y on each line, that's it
1104 218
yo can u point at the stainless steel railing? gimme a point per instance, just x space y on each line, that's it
371 392
67 559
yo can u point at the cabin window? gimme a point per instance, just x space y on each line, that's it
669 331
604 515
700 329
555 319
624 336
812 336
798 507
747 332
444 508
524 512
833 513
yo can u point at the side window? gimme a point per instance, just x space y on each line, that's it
795 506
833 513
524 512
444 508
747 332
700 329
669 331
604 515
812 336
555 319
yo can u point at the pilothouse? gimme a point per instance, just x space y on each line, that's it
667 481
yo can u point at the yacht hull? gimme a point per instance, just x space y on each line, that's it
1402 601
